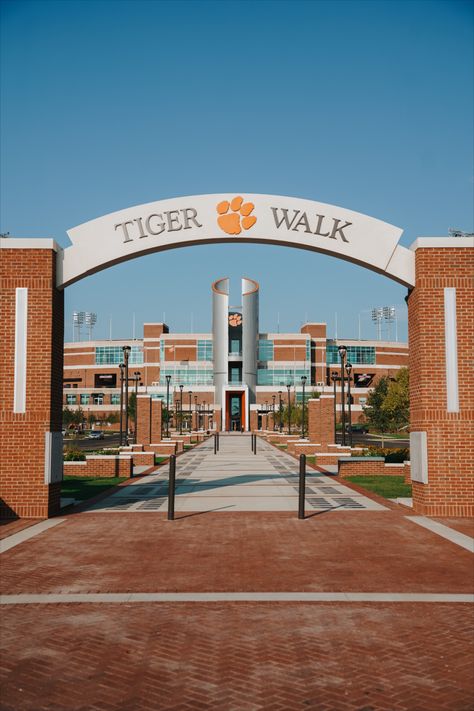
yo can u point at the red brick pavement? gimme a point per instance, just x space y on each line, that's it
10 526
238 657
143 552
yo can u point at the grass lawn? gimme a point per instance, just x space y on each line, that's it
282 446
159 459
81 488
390 487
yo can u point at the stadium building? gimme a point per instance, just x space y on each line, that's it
218 379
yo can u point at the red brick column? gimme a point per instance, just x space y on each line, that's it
156 429
321 420
30 416
442 433
144 419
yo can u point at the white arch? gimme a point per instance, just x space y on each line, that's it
198 219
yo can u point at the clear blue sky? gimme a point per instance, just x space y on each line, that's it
368 105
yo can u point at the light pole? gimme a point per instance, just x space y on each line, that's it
273 410
303 382
181 409
334 378
280 408
121 366
288 387
126 356
266 414
342 354
136 377
196 410
348 371
168 379
190 411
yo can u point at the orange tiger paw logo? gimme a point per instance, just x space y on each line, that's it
235 215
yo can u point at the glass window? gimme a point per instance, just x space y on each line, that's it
187 376
235 346
265 350
204 350
362 355
282 376
113 355
85 399
70 399
98 399
235 374
115 399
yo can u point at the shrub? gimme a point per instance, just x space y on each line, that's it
74 455
392 456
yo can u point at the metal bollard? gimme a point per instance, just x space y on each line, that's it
171 487
302 486
255 444
215 444
218 440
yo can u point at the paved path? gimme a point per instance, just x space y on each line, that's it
235 479
351 609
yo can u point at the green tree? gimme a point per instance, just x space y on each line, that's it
397 400
132 406
377 417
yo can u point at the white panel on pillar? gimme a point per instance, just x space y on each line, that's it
53 457
419 457
451 350
21 333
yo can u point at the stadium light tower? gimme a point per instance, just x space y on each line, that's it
90 319
77 322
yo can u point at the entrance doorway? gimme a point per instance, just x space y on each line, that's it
235 418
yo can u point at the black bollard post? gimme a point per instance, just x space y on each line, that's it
251 441
215 444
255 444
171 487
218 442
302 486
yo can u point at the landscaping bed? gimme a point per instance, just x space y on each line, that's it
82 488
390 487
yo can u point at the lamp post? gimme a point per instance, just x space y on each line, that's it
136 377
303 383
266 414
168 379
349 371
342 354
190 411
273 410
181 409
334 378
126 356
288 387
121 366
196 410
280 408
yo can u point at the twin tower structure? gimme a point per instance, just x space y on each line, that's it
235 333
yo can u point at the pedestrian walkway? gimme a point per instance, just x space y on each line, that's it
236 479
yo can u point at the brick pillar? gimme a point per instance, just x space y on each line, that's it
441 338
31 335
321 420
253 420
156 418
144 419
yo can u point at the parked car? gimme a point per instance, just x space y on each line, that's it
96 434
358 428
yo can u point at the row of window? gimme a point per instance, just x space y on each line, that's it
94 399
355 354
187 376
282 376
113 355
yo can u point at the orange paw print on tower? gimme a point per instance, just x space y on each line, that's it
235 215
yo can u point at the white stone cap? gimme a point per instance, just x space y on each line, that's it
108 456
442 242
29 243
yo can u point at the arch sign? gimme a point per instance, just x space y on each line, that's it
236 217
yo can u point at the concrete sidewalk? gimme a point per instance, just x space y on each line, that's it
235 479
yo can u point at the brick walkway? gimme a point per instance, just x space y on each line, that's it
237 656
